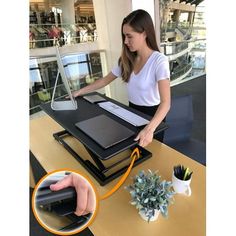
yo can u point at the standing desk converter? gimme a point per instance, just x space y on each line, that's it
116 216
86 110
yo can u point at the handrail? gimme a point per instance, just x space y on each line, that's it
182 41
172 48
182 71
66 54
62 24
48 35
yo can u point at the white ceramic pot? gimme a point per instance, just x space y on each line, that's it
181 186
153 218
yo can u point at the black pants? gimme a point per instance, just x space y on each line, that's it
151 112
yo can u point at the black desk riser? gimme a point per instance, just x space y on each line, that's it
86 110
63 204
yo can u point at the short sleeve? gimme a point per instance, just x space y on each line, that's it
162 69
116 71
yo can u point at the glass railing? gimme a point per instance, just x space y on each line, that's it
48 35
174 47
171 26
171 48
181 71
199 57
183 27
81 69
196 54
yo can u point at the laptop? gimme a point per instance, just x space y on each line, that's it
104 130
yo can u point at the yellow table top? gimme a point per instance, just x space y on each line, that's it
116 216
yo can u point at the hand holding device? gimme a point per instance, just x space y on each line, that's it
85 196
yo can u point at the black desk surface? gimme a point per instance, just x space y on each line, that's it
86 110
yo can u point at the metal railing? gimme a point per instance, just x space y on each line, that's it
174 48
170 48
197 54
178 73
48 35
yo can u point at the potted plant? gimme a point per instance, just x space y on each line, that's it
150 195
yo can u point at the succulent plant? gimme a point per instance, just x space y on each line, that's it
148 193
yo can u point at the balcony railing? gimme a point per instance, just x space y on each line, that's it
196 54
174 48
171 26
171 48
180 72
48 35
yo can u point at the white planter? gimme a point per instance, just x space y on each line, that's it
153 218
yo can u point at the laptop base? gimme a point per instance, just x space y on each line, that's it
99 172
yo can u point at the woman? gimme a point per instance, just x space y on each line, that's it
144 69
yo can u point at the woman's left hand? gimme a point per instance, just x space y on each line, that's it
145 137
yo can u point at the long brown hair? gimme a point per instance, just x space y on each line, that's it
140 21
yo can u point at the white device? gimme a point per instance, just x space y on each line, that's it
70 104
124 114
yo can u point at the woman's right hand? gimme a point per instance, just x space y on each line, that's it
86 199
100 83
76 93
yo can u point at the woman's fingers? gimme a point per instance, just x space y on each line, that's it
63 183
91 201
82 198
85 197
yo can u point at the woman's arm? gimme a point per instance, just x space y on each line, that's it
163 108
146 135
100 83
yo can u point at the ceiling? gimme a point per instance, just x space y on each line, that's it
41 3
196 2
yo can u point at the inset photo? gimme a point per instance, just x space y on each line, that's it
64 202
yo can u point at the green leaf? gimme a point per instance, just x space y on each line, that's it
146 200
153 199
140 180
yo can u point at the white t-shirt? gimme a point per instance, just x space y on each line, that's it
143 86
